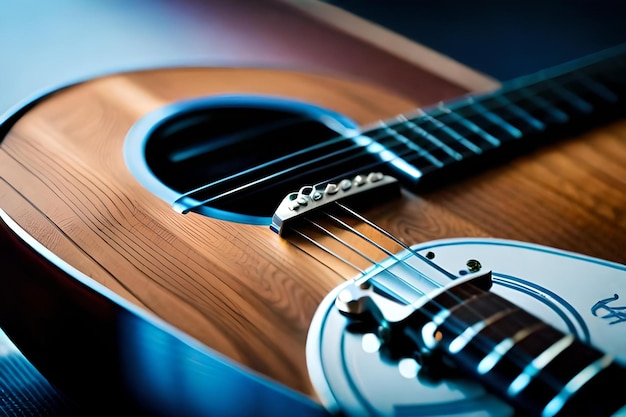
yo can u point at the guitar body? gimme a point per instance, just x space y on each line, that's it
264 312
238 287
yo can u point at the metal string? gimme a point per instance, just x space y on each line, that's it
456 324
500 102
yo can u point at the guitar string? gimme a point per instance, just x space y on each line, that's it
462 326
520 358
372 242
353 249
392 237
313 162
466 102
453 322
456 324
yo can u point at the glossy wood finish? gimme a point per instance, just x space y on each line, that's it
241 289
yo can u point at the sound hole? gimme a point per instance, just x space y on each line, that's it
237 157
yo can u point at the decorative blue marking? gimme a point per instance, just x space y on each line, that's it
560 306
617 314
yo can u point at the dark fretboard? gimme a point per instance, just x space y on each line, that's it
432 144
525 361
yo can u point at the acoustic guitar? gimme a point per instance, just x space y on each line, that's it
323 241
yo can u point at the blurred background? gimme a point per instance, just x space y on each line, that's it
504 39
45 44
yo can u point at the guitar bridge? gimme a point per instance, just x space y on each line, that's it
360 189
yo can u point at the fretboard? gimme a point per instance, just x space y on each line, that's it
432 144
532 365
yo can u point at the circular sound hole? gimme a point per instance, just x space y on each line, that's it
236 157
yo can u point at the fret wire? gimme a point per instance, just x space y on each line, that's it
512 88
504 346
500 103
599 68
398 154
515 108
469 124
515 115
431 138
577 382
508 97
549 83
413 146
463 329
425 159
513 97
472 127
471 332
432 151
460 139
463 148
388 156
538 124
586 78
467 328
460 324
496 119
571 97
538 363
498 126
562 99
613 79
362 152
543 104
599 88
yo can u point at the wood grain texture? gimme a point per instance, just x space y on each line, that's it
242 289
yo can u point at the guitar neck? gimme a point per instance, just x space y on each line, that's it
520 357
435 143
